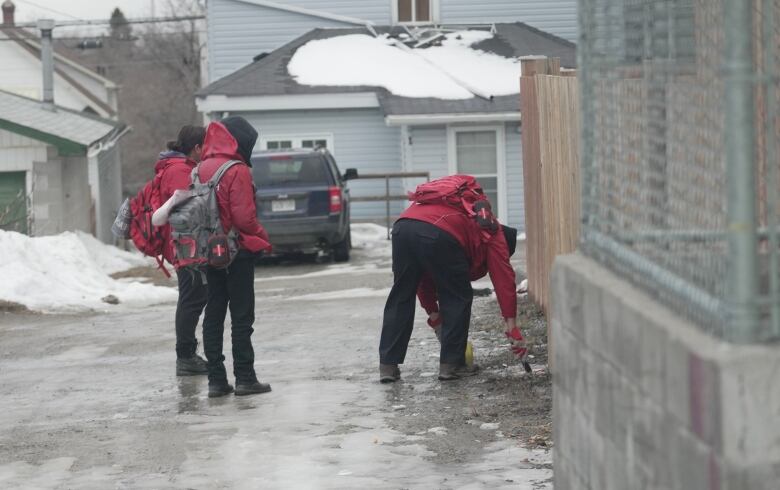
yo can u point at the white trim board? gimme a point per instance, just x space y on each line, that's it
428 119
223 103
309 12
297 138
503 205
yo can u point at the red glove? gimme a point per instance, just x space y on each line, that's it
434 323
517 343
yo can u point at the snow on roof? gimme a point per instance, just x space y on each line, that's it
452 70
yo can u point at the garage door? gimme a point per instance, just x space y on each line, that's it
13 201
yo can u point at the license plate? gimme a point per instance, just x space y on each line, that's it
283 205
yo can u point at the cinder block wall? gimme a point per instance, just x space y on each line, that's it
643 399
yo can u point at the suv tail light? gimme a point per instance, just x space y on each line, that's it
335 199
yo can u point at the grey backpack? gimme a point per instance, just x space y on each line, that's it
196 230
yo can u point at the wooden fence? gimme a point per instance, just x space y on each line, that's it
549 104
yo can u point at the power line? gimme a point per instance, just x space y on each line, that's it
58 12
102 22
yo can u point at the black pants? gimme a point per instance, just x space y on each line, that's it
232 288
192 299
421 247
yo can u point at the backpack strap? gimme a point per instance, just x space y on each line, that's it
221 171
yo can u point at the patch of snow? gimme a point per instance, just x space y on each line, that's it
70 272
343 294
521 236
435 71
371 237
333 270
439 431
489 426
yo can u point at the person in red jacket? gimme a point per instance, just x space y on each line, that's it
174 169
437 251
233 138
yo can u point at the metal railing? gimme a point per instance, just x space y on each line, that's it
388 197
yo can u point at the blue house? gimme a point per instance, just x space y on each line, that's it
416 110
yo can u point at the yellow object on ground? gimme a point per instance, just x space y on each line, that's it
469 354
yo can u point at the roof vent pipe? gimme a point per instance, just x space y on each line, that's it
47 61
8 13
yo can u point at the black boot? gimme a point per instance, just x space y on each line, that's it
217 390
191 366
252 388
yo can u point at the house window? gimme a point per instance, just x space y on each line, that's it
303 141
414 11
479 152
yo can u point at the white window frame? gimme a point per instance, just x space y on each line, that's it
452 155
297 139
434 13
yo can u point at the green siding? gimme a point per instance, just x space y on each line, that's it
13 202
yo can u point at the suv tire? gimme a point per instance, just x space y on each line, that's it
341 249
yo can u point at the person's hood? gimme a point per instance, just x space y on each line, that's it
232 137
166 158
510 234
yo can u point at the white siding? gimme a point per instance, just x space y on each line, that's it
361 140
429 153
558 17
238 31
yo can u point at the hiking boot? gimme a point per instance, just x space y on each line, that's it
192 366
220 389
253 388
449 372
389 373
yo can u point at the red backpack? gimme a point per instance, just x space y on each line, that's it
149 239
460 191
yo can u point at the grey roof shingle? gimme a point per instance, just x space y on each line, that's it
269 76
80 128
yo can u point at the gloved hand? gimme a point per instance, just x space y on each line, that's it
517 343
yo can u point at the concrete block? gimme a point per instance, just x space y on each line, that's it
611 321
562 423
693 463
591 317
582 431
606 381
628 344
650 434
652 359
677 390
750 396
625 400
572 311
757 477
598 469
616 468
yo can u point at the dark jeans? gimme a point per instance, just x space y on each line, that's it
192 299
232 288
422 247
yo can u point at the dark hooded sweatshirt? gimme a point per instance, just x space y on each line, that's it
233 139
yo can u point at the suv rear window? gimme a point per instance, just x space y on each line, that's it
290 170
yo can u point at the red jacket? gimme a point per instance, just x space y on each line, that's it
489 256
174 170
236 190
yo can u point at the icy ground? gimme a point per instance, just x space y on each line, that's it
91 400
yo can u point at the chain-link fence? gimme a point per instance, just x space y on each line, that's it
679 101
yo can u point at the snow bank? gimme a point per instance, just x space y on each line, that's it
436 71
69 272
372 239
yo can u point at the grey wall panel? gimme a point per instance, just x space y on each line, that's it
558 17
361 140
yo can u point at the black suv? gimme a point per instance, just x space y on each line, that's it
303 201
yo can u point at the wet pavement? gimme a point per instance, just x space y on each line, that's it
91 401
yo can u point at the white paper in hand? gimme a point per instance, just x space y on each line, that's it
160 217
